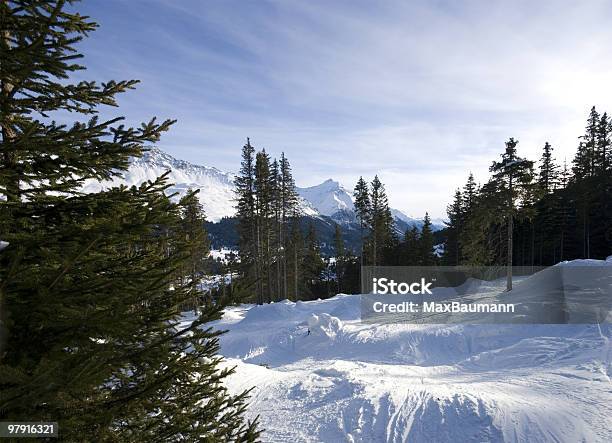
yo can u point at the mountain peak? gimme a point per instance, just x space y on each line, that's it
328 197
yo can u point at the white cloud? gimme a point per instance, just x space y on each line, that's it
418 92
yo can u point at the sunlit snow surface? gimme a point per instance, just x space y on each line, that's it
356 382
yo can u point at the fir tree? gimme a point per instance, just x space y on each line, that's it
426 243
548 176
512 174
381 222
480 240
288 210
454 226
602 153
192 227
90 284
585 159
312 263
470 192
245 213
276 245
295 252
361 195
411 247
584 181
264 211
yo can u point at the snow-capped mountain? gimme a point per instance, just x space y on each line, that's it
328 199
216 187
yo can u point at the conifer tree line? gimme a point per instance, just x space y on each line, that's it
92 285
530 213
382 245
277 260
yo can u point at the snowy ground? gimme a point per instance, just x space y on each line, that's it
356 382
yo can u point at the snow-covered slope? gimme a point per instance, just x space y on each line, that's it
216 187
328 198
321 375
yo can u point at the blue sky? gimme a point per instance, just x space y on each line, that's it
418 92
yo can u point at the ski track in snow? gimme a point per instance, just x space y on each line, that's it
348 381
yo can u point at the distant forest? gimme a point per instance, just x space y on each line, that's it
554 211
527 213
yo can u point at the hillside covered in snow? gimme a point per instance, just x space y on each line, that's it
322 375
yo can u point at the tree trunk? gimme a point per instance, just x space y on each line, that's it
510 234
509 266
258 267
532 245
12 185
279 243
295 273
8 135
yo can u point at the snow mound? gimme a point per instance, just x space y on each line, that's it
324 325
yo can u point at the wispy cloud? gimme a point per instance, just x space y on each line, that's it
420 93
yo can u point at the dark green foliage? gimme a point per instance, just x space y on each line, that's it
223 233
564 215
245 212
312 265
454 226
548 177
295 253
95 340
361 195
426 244
196 239
411 248
375 220
91 286
416 248
266 205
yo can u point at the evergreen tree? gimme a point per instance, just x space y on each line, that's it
564 215
264 211
454 227
361 195
512 175
548 177
288 209
267 201
295 253
192 227
411 247
585 159
381 222
340 253
584 181
312 262
426 244
275 226
245 213
470 192
564 175
89 292
602 153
